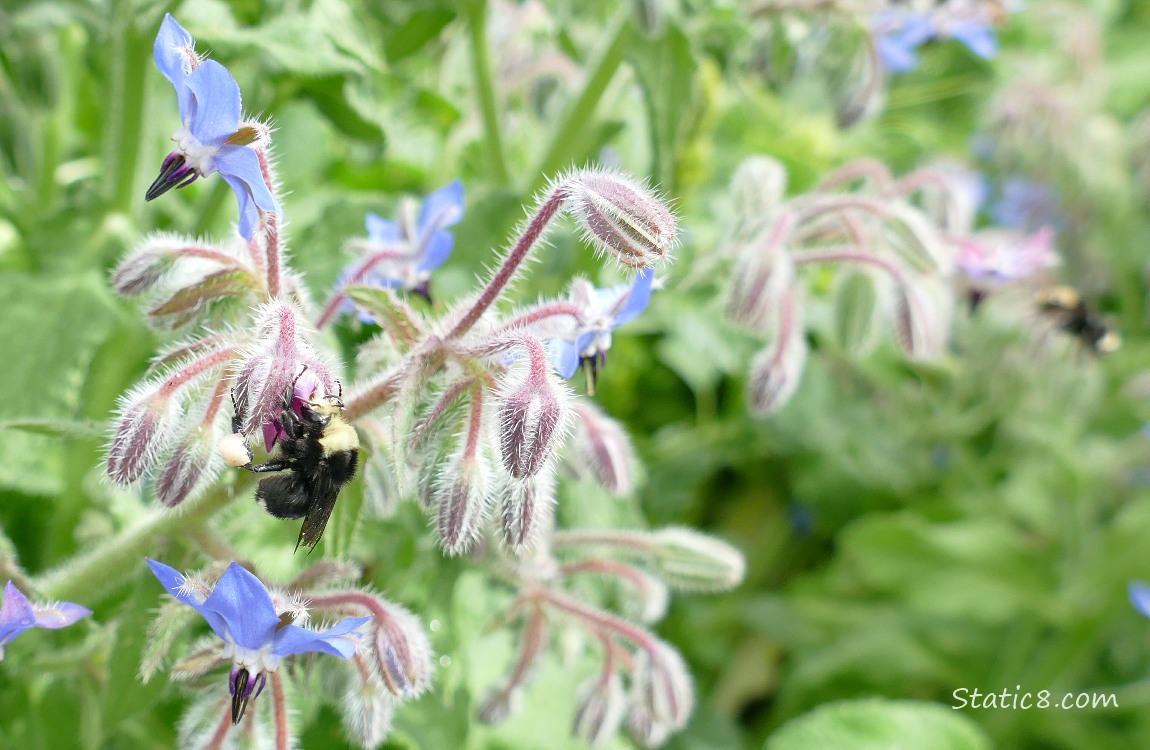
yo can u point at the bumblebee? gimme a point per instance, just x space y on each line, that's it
321 451
1065 307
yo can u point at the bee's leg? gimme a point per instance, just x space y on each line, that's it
279 465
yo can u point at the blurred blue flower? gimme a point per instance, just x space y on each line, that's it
1025 204
898 33
603 310
241 612
211 138
17 615
402 254
1140 597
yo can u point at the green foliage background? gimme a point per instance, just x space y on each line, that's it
910 529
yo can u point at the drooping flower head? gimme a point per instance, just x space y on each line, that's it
1000 256
402 254
240 610
603 310
17 614
212 137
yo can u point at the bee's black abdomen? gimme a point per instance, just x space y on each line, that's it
284 496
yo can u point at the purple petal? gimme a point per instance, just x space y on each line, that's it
437 251
60 616
442 208
979 37
296 640
564 356
216 116
637 299
1140 597
16 614
168 52
382 230
242 602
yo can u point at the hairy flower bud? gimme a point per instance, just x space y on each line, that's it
689 560
622 218
189 468
461 497
923 311
526 509
777 369
602 450
146 423
533 415
402 650
757 188
367 711
600 709
662 697
763 274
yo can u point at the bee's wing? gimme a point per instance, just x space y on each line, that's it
316 520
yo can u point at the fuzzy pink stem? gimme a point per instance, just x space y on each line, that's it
629 573
633 540
542 312
272 237
513 260
225 725
851 256
597 619
280 712
373 260
873 169
181 378
377 394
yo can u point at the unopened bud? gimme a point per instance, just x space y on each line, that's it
500 705
235 450
189 469
533 416
602 450
662 696
526 509
777 369
402 650
460 500
145 429
143 268
923 310
757 188
600 710
690 560
763 273
367 711
623 218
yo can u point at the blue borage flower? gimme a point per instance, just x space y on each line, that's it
603 310
898 33
212 138
402 254
1140 596
240 611
17 614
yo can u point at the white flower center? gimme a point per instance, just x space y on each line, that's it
198 156
252 660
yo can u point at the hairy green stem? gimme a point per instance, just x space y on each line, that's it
128 87
485 88
577 116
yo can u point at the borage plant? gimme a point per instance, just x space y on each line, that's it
465 408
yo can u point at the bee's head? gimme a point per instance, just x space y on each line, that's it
325 406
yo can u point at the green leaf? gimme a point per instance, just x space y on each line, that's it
666 70
51 329
421 27
879 724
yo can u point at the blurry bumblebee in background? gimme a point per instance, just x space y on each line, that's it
1065 308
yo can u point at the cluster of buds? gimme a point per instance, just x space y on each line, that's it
895 239
478 408
641 681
